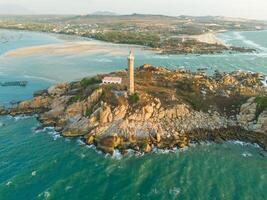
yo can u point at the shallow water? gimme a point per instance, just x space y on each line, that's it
42 165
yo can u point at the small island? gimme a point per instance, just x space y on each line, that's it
154 107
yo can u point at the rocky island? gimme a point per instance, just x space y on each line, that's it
169 109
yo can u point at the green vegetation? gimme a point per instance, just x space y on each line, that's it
109 96
261 103
74 99
134 98
90 81
145 39
88 112
155 31
239 100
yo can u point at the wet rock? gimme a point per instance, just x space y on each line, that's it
3 111
90 140
147 148
109 143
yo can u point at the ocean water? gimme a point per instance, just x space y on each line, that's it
39 164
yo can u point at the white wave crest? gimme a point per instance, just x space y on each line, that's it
40 78
34 173
117 155
246 154
81 142
22 117
237 142
44 194
264 82
8 183
175 192
251 43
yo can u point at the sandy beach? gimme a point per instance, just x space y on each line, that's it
209 38
67 48
93 47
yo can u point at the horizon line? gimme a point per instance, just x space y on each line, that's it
128 14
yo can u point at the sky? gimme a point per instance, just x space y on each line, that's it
254 9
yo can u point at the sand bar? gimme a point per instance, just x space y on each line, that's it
68 48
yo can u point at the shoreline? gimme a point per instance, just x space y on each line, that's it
217 46
112 123
209 38
66 48
155 150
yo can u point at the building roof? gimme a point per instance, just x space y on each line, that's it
112 79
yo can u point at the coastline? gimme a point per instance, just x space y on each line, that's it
112 123
66 48
206 43
98 46
209 38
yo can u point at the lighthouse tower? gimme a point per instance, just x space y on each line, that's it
131 73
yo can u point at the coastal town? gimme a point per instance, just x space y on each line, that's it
168 35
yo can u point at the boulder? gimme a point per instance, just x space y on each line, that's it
147 112
262 122
147 148
76 127
37 102
182 110
2 111
120 112
75 109
247 112
105 114
58 90
90 140
158 137
109 143
229 80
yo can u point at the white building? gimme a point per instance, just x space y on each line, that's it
111 80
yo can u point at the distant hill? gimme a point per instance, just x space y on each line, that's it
104 13
13 9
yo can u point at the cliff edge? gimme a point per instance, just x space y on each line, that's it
170 109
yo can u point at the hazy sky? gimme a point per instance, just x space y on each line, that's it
236 8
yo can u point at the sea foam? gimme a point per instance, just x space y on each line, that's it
251 43
246 154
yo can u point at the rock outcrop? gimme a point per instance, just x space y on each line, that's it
251 118
173 109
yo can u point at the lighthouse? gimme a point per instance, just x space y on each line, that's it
131 73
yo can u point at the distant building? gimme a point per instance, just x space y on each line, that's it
111 80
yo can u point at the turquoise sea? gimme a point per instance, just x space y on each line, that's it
43 165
